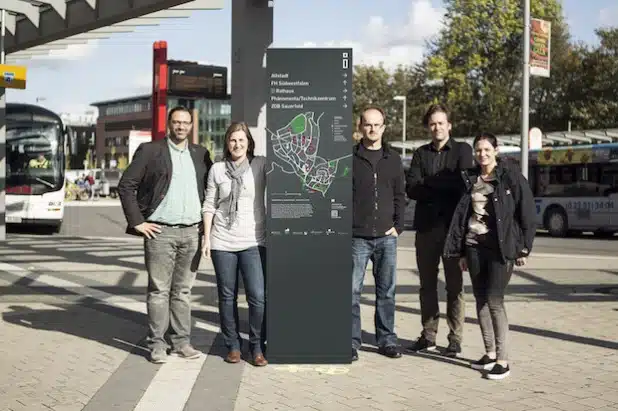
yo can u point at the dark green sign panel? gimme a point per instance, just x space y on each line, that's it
309 148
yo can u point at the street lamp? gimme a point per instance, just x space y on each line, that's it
525 95
403 134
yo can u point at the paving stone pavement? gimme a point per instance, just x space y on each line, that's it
73 320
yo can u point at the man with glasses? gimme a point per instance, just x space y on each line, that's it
379 202
162 192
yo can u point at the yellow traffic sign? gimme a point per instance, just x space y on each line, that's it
12 76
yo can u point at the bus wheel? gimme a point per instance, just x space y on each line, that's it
556 222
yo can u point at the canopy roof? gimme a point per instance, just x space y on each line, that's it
38 27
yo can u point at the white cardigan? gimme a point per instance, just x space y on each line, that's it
249 230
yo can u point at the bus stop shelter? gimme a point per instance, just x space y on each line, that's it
37 27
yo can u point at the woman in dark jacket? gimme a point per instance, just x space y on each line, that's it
493 228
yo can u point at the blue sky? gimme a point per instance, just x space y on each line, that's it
392 32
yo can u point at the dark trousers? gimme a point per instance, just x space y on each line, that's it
250 264
429 248
490 277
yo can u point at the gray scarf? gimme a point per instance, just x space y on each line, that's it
235 172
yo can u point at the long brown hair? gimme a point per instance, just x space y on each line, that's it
239 126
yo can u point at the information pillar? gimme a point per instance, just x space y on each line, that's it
309 150
159 90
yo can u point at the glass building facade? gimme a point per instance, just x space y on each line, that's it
213 118
118 118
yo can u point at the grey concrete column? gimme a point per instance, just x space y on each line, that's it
2 163
252 34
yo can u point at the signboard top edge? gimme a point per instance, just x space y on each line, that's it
312 49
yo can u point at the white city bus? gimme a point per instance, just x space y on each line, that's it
575 188
35 169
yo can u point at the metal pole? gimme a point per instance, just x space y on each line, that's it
2 34
2 133
403 135
525 95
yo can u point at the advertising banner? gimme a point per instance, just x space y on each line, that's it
540 46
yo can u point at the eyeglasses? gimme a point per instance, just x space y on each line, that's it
180 123
368 125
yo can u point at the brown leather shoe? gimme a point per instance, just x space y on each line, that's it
259 360
233 357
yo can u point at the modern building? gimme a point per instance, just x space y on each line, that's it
199 87
117 118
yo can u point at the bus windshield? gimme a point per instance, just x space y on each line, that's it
35 157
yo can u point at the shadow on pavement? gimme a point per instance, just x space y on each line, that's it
87 319
439 356
520 328
94 320
28 229
540 289
589 235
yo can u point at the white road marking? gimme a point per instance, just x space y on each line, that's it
172 385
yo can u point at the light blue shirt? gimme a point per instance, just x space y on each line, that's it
181 204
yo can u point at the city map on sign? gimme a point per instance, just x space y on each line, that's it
296 144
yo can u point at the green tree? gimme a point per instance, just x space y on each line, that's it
592 98
377 86
476 63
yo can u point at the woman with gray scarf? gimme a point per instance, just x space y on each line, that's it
234 236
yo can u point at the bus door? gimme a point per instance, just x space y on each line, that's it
609 186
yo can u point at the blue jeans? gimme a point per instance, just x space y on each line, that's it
227 265
382 252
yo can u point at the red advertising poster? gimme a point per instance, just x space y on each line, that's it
540 45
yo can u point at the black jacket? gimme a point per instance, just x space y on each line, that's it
514 208
145 182
379 199
437 189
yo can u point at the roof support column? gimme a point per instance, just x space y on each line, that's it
2 133
2 163
252 34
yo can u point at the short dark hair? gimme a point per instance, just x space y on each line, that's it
493 140
376 108
179 108
239 126
433 109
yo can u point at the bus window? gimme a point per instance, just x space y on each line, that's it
579 180
541 180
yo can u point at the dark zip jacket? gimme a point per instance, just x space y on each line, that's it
434 181
514 214
379 197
